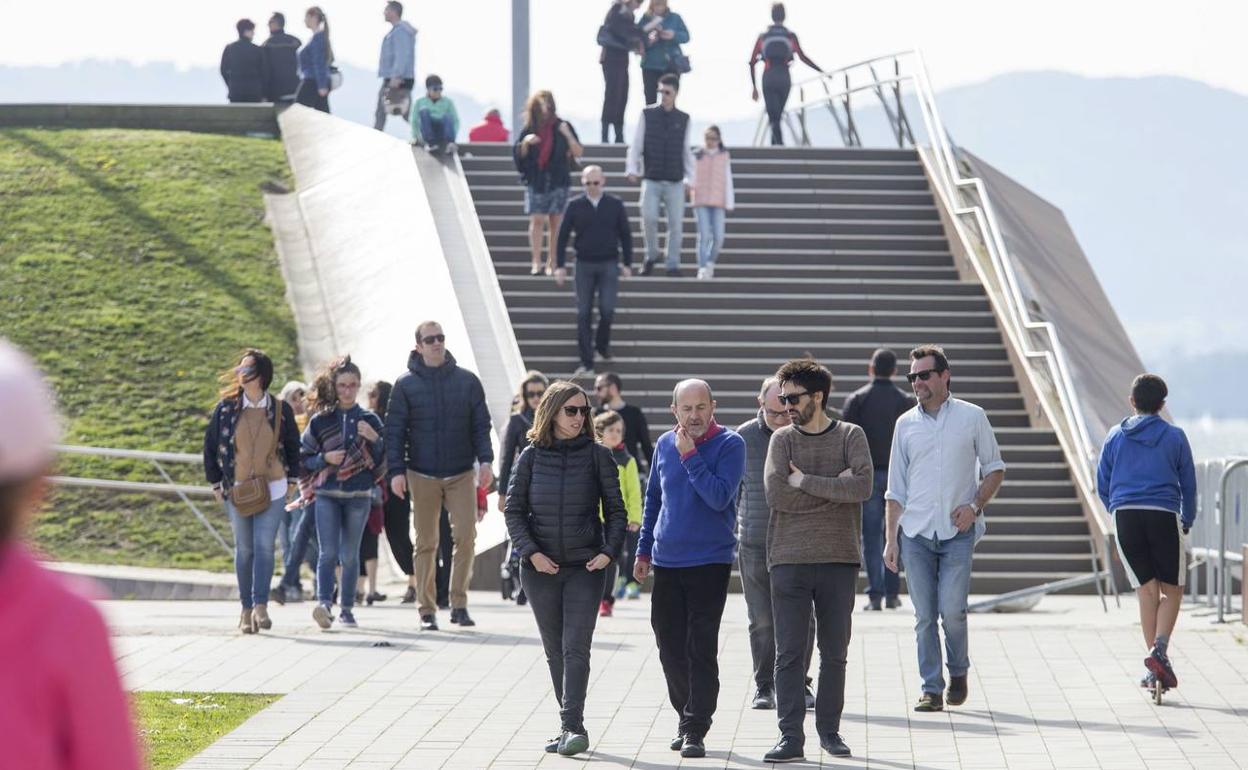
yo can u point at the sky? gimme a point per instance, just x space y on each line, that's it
468 42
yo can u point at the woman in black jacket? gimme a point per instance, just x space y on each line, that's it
544 153
516 438
622 36
559 485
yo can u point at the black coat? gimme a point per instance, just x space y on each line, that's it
553 503
515 441
281 58
557 172
244 69
437 422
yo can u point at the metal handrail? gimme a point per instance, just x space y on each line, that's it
950 183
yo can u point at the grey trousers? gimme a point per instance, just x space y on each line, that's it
756 582
830 590
566 608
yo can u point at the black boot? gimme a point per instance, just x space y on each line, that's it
605 127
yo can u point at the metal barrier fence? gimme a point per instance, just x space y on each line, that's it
1219 535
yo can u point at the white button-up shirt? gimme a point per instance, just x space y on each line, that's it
936 465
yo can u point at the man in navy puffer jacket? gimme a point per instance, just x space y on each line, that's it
1147 480
437 430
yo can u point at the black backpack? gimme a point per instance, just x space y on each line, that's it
776 45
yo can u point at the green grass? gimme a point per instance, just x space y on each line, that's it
178 725
134 264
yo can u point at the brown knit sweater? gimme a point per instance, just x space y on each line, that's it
822 521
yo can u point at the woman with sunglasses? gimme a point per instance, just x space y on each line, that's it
248 439
515 441
552 514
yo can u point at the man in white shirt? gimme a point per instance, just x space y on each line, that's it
945 466
662 157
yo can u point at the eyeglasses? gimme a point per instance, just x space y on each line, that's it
244 370
432 338
531 394
572 411
923 375
793 399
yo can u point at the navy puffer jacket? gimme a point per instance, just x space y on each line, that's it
552 502
437 422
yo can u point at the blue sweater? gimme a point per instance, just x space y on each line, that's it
1147 462
691 504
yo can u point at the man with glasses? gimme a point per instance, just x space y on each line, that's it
437 430
609 390
753 513
818 472
943 470
601 228
687 535
662 153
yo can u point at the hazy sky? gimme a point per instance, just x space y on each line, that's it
468 42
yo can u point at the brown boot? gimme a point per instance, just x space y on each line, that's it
246 623
260 617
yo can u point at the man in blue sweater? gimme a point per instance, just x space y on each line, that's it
1147 480
688 536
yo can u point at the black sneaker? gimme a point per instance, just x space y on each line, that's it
552 745
872 605
958 690
930 701
1158 663
764 698
788 749
428 622
410 596
693 747
647 267
573 742
672 272
278 595
460 617
892 602
834 744
677 742
810 697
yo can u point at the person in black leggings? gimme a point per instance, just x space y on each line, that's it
397 511
624 36
776 47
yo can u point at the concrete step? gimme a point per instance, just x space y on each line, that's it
647 293
865 338
627 344
795 168
901 178
742 227
1031 526
1014 489
616 151
561 365
781 270
1067 545
734 254
870 241
1022 471
504 190
886 321
768 210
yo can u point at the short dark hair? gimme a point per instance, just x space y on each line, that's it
396 6
433 80
244 25
808 374
884 362
1149 392
670 79
423 324
278 18
935 351
613 379
777 13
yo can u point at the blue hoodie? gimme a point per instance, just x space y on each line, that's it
1146 462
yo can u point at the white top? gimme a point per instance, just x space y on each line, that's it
936 465
277 487
632 158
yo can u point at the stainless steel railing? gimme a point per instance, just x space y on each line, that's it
1219 533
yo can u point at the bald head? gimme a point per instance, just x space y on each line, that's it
701 388
593 180
693 405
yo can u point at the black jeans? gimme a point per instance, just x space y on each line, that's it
630 557
776 85
398 519
830 589
601 278
566 608
446 551
686 606
309 96
615 98
756 585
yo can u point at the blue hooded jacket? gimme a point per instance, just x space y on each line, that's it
1147 462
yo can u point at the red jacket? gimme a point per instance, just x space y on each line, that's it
489 130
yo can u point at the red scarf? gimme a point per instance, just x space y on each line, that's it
546 147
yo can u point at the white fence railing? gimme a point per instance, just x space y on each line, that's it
1219 534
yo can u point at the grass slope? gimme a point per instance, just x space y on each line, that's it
176 726
133 265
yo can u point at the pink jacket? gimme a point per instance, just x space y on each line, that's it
712 181
62 706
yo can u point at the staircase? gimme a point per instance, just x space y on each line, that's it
864 223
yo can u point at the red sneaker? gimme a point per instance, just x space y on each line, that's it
604 609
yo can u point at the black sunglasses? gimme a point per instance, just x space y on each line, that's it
572 411
923 375
432 338
592 184
793 399
435 88
534 393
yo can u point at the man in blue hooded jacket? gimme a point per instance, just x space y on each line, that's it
1147 480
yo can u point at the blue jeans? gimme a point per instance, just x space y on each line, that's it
601 278
881 581
255 539
340 527
938 575
303 533
671 195
710 233
436 131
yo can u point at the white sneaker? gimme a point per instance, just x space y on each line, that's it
710 270
702 274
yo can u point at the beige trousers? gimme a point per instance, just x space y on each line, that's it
459 495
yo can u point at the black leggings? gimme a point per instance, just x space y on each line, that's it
398 518
615 100
776 85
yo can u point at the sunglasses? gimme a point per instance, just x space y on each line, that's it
572 411
436 89
244 370
529 394
924 375
593 184
793 399
432 338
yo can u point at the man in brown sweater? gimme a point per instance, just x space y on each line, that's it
818 473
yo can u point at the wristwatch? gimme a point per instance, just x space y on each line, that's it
979 509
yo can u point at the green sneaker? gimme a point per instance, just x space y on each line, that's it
572 743
633 591
621 583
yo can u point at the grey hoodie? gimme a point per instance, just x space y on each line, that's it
398 52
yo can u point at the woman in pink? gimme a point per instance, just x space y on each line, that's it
713 198
62 706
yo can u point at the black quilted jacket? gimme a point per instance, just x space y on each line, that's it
553 502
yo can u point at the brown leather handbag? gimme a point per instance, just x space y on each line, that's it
251 496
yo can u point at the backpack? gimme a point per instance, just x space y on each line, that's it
776 45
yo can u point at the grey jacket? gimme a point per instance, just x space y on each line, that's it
398 52
752 510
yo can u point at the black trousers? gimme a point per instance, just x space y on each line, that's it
446 550
566 608
830 589
308 96
615 98
398 521
776 85
650 84
686 606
